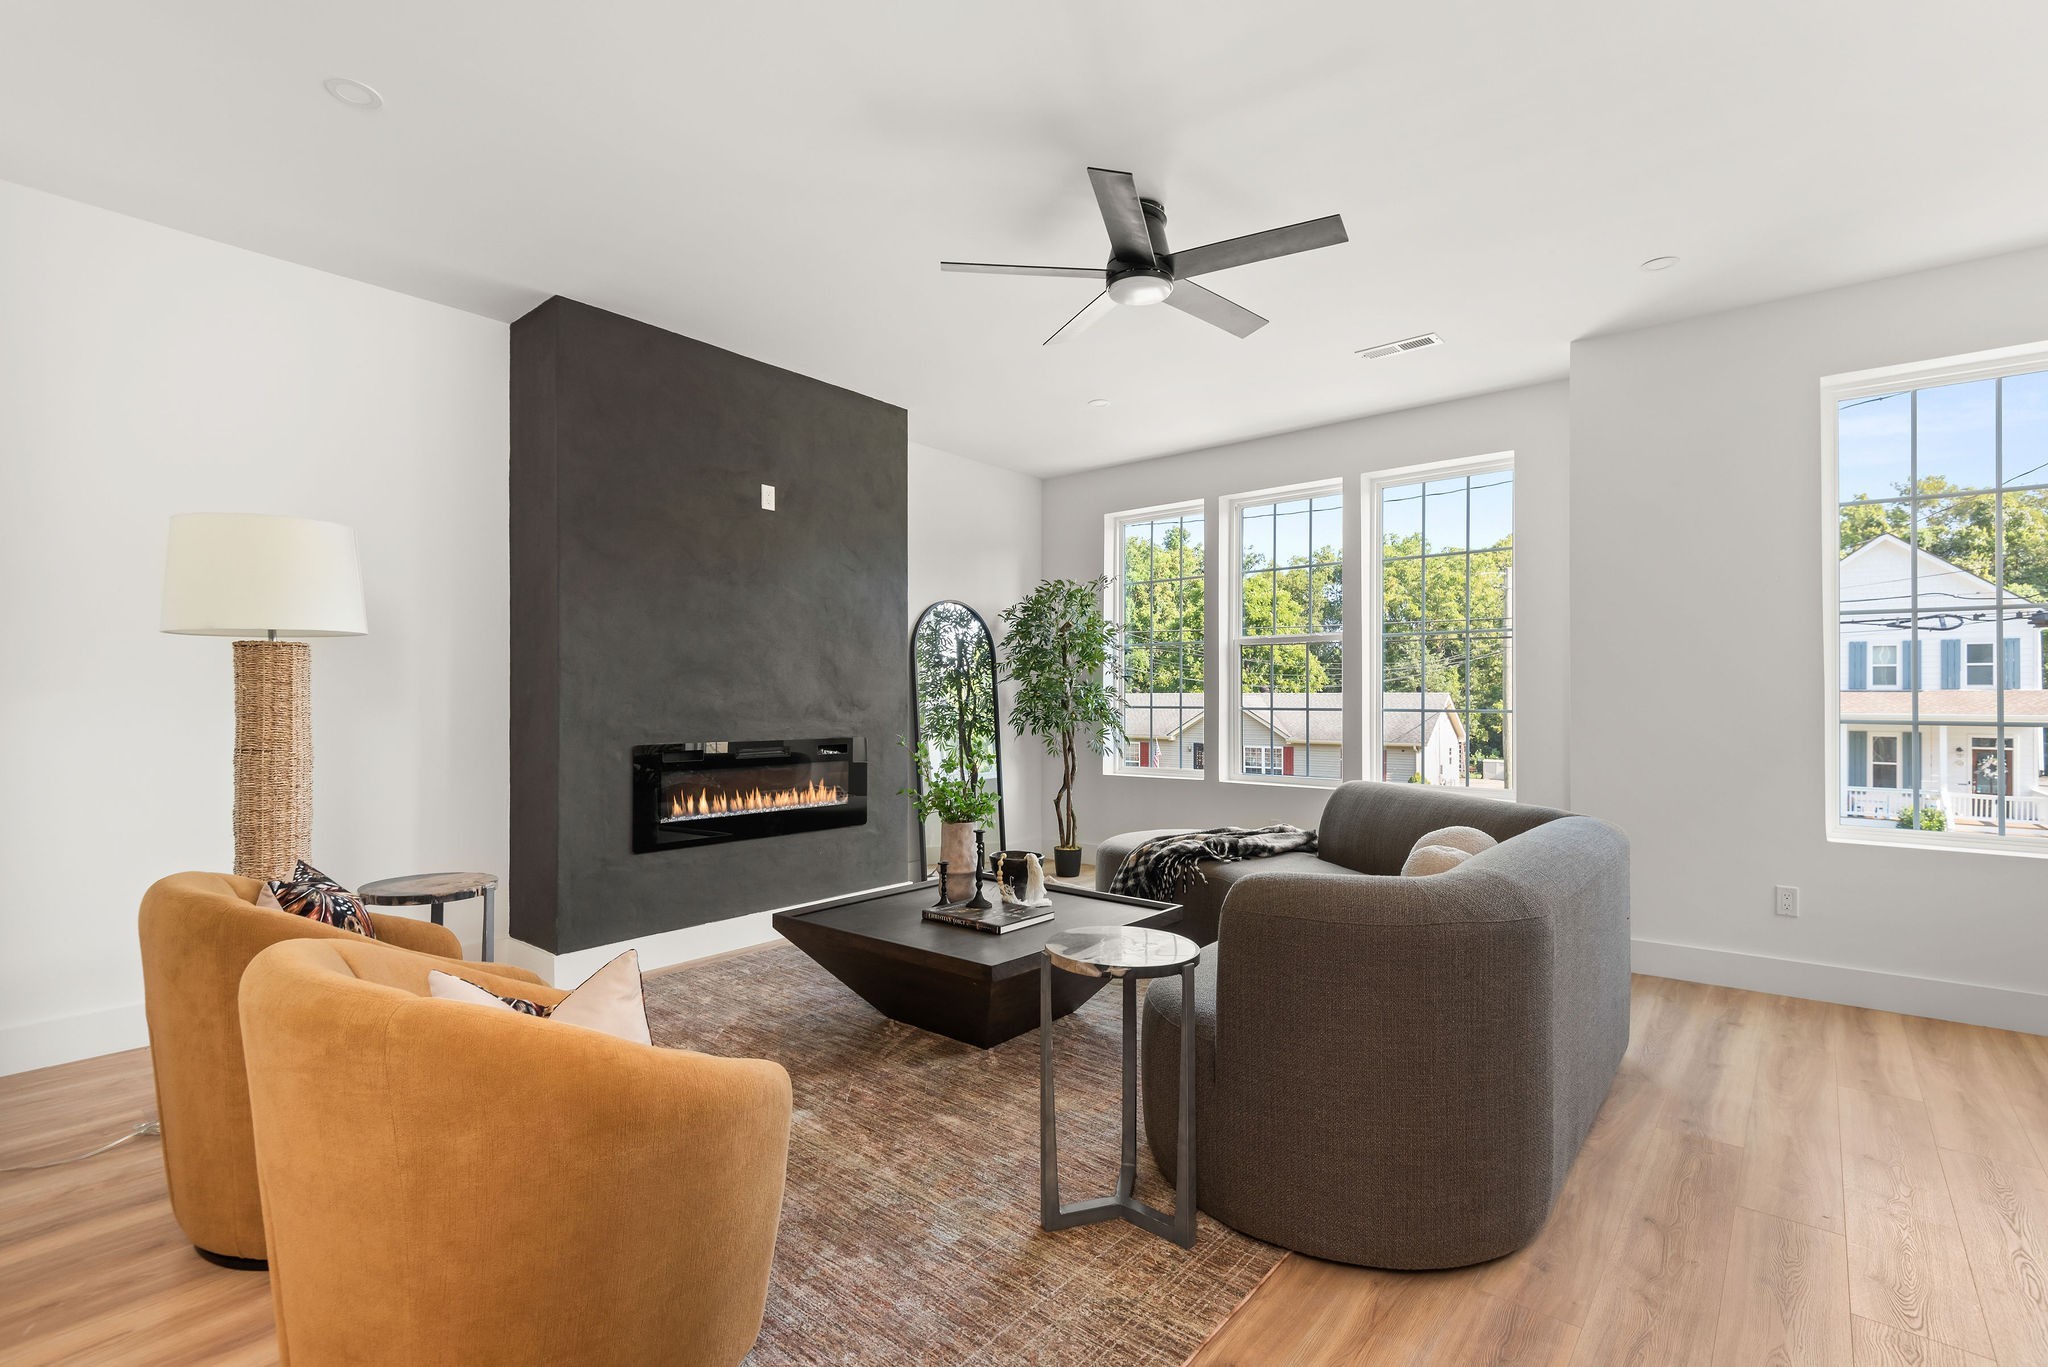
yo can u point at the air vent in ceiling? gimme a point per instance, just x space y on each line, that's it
1373 353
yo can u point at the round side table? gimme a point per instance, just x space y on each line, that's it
436 890
1130 953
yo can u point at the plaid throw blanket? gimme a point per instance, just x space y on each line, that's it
1162 866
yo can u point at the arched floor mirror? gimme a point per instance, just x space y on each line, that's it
955 720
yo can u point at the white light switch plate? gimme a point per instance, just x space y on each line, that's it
768 497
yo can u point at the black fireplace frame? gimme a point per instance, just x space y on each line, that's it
653 765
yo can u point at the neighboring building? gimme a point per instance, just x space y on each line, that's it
1957 666
1283 735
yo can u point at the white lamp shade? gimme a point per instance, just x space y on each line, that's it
247 574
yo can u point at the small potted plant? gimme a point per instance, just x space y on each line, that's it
961 803
1063 655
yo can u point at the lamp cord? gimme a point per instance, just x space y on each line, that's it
147 1127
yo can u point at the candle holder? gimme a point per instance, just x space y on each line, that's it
978 902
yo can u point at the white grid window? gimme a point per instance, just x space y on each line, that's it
1161 580
1286 643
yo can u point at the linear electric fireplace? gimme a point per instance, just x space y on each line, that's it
711 791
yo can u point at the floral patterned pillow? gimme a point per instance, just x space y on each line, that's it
313 895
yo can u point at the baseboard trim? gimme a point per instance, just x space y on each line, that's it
2001 1008
66 1039
667 949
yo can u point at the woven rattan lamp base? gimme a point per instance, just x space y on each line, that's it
273 756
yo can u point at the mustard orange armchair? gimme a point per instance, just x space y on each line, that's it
199 931
448 1184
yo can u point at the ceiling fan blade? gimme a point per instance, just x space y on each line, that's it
1117 196
985 268
1238 251
1212 307
1085 319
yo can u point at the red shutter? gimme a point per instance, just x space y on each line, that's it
1288 763
1144 754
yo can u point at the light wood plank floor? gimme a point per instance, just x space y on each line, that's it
1772 1182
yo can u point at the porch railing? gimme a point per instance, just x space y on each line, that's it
1886 804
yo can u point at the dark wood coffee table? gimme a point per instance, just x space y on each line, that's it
968 985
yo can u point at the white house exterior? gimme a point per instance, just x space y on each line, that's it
1282 737
1953 669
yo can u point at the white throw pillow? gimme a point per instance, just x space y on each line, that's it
609 1000
1425 860
1470 839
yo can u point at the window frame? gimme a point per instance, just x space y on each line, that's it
1989 664
1228 598
1266 764
1113 563
1372 721
1893 647
1832 390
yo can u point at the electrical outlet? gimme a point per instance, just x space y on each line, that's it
1788 901
768 497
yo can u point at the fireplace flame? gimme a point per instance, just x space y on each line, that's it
694 806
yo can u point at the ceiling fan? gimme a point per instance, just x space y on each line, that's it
1142 271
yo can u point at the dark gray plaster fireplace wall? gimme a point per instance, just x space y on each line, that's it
654 600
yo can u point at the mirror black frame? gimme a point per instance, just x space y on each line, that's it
996 719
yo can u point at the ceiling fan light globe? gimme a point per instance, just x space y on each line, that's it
1140 289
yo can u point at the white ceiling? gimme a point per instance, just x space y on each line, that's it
782 179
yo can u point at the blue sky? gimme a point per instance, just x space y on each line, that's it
1957 436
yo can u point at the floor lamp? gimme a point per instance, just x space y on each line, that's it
273 580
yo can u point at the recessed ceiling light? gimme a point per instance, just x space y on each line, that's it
1660 263
354 94
1098 403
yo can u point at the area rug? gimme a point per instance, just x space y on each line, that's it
910 1224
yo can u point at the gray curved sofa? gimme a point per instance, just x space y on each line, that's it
1398 1072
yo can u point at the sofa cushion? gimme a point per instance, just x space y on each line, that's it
610 1000
1426 861
313 895
1470 839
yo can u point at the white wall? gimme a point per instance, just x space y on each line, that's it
144 372
975 535
1696 505
1534 423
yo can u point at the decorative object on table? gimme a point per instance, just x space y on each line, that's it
313 895
277 579
1065 658
995 920
941 882
955 719
1165 864
961 804
1130 953
435 891
978 902
1020 878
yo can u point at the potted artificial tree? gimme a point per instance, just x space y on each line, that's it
1062 654
960 802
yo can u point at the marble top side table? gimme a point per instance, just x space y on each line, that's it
436 890
1130 953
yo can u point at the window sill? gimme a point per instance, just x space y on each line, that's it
1951 842
1280 781
1134 771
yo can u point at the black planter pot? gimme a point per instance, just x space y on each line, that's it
1066 861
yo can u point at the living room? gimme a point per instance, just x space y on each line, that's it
602 686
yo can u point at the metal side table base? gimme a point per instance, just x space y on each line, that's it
1110 952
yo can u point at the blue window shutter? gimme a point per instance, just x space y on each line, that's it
2012 662
1909 760
1951 663
1909 677
1859 665
1859 759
